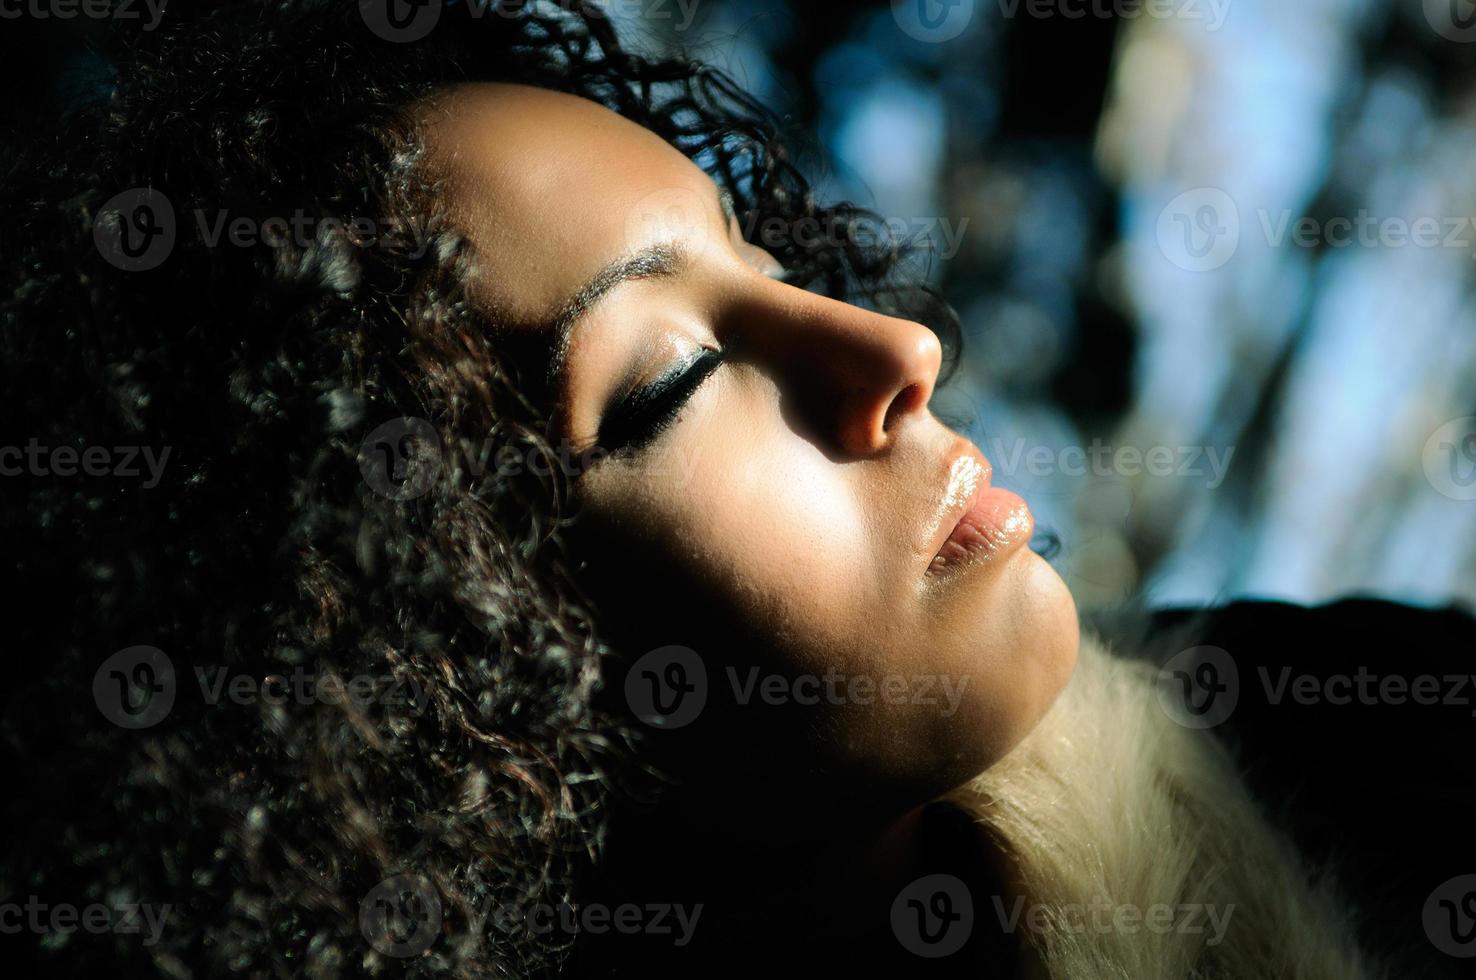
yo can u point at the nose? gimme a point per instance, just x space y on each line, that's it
857 374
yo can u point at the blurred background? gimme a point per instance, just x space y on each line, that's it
1214 260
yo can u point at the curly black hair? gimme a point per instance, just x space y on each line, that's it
486 753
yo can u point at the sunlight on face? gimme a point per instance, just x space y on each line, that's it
772 490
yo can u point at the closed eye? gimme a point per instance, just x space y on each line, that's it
639 416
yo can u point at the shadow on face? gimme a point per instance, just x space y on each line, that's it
767 485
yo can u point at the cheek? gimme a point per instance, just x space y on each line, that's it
782 529
736 513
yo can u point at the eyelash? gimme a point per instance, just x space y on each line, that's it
640 416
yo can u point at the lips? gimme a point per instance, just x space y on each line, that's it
979 522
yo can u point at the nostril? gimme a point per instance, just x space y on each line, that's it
904 401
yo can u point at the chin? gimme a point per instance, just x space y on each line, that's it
1030 635
1049 604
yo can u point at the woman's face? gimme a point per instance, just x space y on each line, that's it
771 489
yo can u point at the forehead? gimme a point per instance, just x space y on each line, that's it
549 188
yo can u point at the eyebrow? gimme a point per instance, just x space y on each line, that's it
660 260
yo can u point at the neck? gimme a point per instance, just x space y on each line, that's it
778 885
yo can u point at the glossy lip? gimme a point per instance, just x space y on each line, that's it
977 522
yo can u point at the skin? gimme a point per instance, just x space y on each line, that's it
787 519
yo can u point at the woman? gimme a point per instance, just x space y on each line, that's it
543 570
